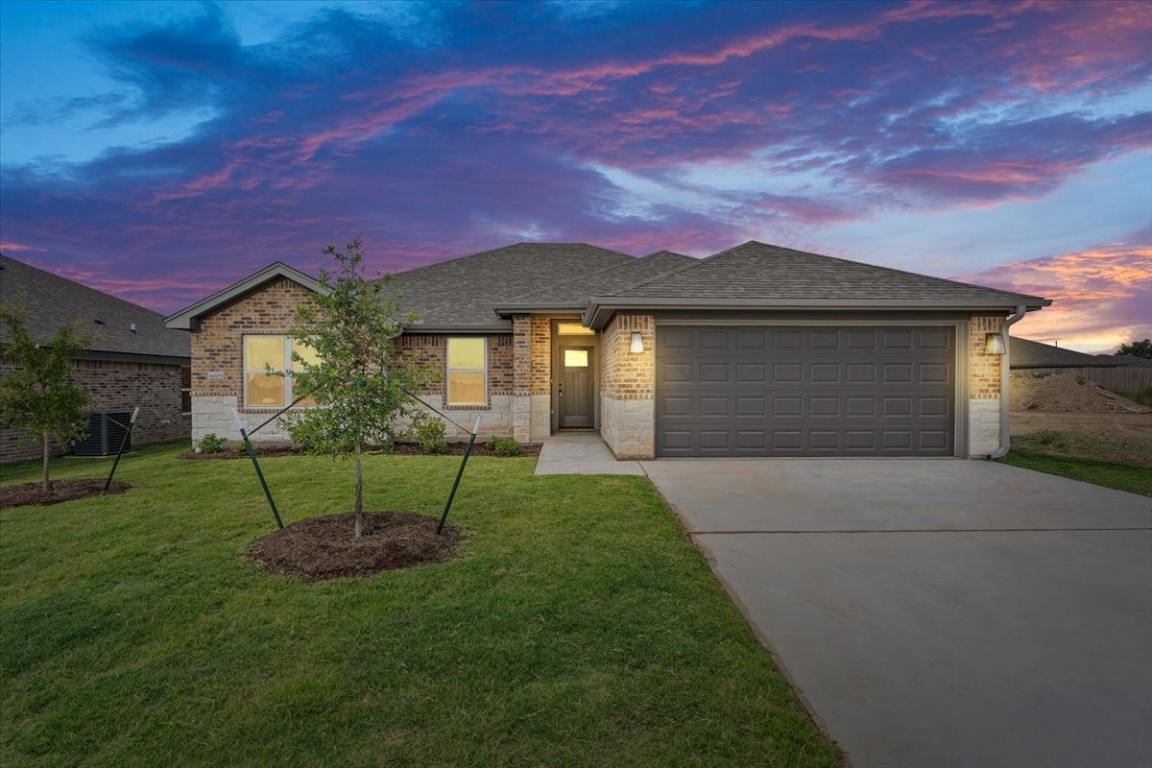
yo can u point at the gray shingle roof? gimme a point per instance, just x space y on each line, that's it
1026 353
463 292
757 270
574 294
52 301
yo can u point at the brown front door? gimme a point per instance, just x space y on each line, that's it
576 398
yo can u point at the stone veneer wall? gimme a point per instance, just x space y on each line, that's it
627 388
120 386
984 387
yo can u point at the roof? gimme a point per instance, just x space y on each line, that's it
189 318
1025 353
574 294
114 327
460 294
756 275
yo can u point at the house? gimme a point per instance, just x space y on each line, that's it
1119 373
132 359
756 351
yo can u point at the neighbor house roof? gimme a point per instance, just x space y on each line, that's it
760 276
1026 353
460 294
189 318
114 328
574 294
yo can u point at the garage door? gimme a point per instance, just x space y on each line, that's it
820 391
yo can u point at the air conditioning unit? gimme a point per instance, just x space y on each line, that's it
105 431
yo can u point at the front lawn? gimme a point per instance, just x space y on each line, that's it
579 628
1124 477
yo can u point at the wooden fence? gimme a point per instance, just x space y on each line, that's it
1127 378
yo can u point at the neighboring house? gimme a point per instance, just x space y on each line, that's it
1119 373
755 351
131 359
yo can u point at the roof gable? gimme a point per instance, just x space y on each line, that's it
189 318
113 326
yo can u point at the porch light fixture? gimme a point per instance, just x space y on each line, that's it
637 345
994 344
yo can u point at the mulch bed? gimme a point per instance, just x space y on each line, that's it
398 449
29 494
326 547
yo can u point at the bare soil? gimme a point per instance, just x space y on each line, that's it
1066 415
1066 393
326 547
30 494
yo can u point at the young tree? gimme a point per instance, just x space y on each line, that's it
1137 349
36 391
357 379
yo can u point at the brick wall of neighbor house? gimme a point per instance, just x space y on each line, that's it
627 388
120 386
984 389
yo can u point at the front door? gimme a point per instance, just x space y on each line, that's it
576 396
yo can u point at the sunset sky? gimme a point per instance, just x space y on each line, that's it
160 151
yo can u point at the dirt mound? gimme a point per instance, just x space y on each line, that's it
1066 393
28 494
326 547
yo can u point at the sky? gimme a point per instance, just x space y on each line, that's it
160 151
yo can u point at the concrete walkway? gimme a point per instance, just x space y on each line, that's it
939 613
581 453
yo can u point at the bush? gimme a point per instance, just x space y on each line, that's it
429 432
210 444
505 446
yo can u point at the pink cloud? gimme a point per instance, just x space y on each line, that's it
1101 297
13 247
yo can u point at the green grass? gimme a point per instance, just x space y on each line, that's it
1124 477
1141 396
580 628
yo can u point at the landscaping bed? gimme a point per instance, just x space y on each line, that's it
398 449
33 494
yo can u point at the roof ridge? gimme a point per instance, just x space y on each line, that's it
675 271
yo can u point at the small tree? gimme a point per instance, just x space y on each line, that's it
359 381
37 393
1137 349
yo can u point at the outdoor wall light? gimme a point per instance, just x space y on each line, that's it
994 344
637 345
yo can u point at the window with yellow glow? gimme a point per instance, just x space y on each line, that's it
573 329
266 356
575 358
467 371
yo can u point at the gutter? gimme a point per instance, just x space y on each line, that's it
1005 379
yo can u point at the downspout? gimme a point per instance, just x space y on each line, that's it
1005 378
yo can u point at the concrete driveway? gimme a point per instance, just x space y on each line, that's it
939 612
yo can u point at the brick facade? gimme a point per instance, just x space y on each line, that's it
983 368
627 387
120 386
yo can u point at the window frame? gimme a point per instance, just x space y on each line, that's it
289 382
186 390
449 370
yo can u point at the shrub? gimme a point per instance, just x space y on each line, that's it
210 443
429 432
505 446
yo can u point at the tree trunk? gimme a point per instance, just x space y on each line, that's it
359 494
46 485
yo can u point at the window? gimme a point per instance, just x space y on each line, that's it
573 329
185 390
467 371
267 390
